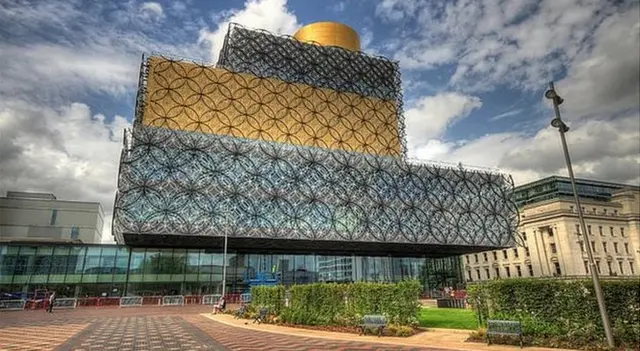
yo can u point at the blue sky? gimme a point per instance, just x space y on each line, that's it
473 71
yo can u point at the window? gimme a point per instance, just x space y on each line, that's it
515 253
487 272
571 208
611 231
519 271
469 275
530 268
54 215
526 252
593 246
581 246
508 271
626 248
75 233
524 236
578 229
631 267
486 258
586 267
497 272
476 257
504 253
557 266
550 233
610 268
615 212
621 267
598 266
615 247
478 274
495 255
594 210
604 211
589 229
553 248
604 247
600 230
622 232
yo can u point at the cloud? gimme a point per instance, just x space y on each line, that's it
522 44
68 151
431 115
152 10
271 15
506 114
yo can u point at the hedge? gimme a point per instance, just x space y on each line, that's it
267 296
344 304
562 310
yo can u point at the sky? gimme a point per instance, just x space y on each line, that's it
474 74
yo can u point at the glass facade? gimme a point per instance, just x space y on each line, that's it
109 270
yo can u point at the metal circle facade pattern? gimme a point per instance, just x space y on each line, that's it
187 183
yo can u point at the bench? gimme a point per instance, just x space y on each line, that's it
262 316
241 311
376 322
506 328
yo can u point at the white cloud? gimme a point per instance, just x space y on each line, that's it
271 15
152 10
490 42
431 115
68 151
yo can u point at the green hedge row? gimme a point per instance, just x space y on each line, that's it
271 297
562 310
342 304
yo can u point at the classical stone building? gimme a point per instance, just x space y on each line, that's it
552 240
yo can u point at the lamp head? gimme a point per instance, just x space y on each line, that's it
550 94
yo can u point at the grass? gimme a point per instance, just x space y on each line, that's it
451 318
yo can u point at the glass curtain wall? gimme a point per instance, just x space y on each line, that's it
112 271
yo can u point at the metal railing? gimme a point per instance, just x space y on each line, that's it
173 300
131 301
12 305
66 302
210 299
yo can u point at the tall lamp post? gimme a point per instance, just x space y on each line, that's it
563 128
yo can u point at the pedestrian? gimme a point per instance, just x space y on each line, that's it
52 299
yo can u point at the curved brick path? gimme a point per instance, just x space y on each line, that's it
152 329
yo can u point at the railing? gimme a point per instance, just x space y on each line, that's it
173 300
125 301
210 299
131 301
70 302
12 305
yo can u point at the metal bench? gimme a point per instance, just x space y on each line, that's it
241 311
262 316
376 322
506 328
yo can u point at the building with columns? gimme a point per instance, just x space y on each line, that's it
552 240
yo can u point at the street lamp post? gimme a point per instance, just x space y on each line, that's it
224 255
563 128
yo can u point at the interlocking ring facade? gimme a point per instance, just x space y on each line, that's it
187 183
259 147
186 96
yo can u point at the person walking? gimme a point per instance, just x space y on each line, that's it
52 298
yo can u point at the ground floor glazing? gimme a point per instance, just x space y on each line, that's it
109 270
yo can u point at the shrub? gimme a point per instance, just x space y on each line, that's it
342 304
561 313
271 297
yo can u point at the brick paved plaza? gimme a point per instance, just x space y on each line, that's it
150 328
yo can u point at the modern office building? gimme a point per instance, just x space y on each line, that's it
552 240
293 149
28 216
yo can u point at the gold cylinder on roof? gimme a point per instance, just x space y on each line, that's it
330 34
